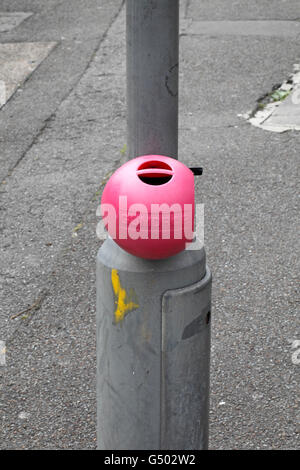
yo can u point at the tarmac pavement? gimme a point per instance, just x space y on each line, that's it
60 139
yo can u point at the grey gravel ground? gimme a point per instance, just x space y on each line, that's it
62 136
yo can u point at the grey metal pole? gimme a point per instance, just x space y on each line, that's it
153 317
152 29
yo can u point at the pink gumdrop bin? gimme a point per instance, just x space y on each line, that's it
148 206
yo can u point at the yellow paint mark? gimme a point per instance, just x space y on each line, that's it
75 230
124 302
78 227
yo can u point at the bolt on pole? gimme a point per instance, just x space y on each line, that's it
153 316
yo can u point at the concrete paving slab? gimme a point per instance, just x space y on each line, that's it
287 115
245 28
9 21
243 9
17 62
285 118
281 116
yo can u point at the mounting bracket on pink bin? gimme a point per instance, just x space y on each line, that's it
197 170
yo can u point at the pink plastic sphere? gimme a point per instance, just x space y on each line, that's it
148 206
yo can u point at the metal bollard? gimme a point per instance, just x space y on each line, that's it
153 316
153 359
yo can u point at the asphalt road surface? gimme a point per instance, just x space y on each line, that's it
62 133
